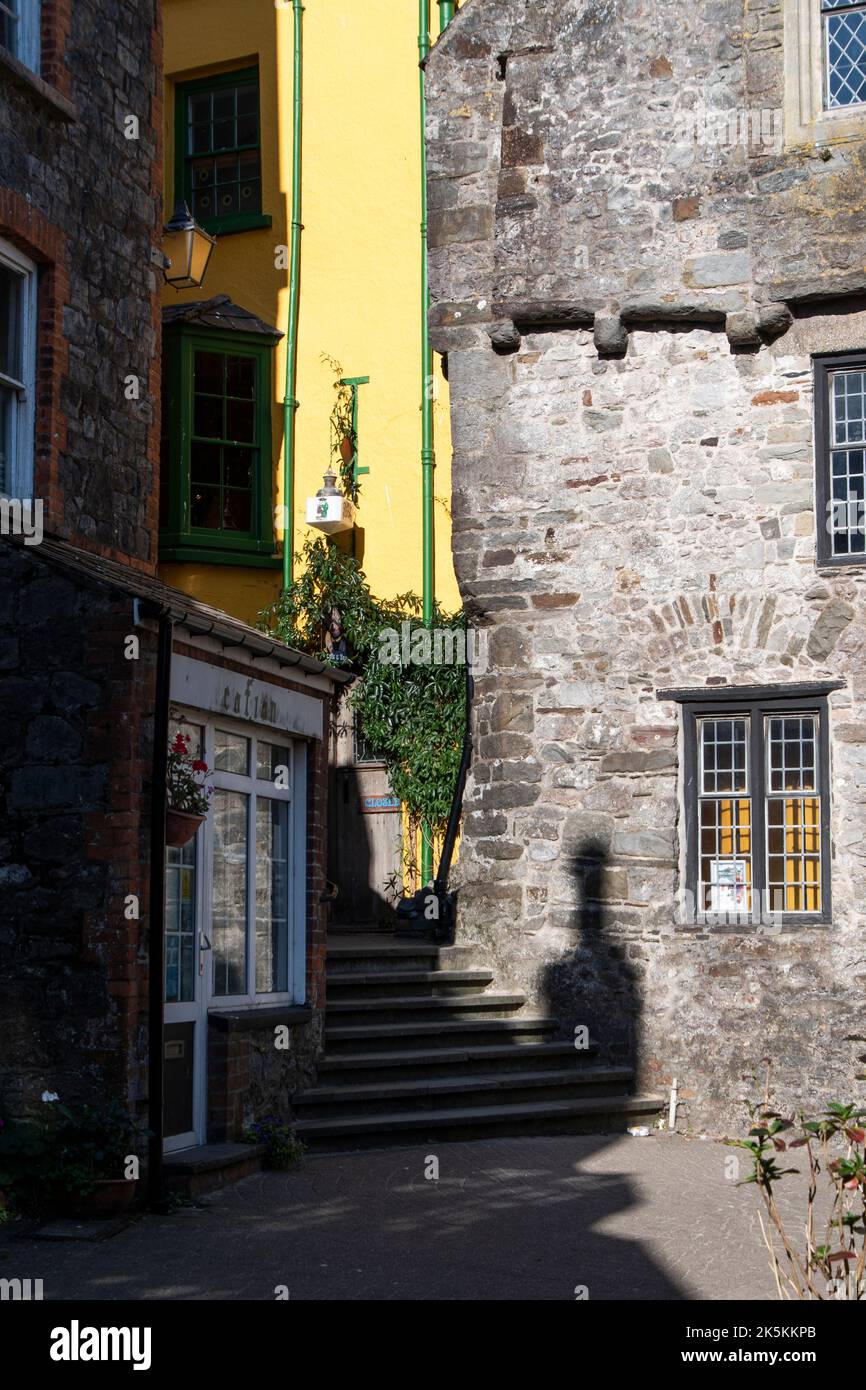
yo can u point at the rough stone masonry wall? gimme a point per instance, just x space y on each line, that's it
642 516
84 201
74 807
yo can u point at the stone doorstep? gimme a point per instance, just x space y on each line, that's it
71 1229
205 1167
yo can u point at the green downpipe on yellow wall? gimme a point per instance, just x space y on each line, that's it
428 456
290 404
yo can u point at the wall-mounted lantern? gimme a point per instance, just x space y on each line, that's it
187 249
329 510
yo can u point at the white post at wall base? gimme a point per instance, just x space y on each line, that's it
672 1113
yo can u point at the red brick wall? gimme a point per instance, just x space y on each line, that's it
45 244
55 28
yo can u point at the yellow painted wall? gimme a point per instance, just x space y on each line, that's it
360 258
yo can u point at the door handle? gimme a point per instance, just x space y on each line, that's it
205 943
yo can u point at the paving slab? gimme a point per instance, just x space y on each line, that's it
514 1219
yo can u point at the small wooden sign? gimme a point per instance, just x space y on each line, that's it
371 805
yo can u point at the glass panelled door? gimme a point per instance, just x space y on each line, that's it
235 906
185 946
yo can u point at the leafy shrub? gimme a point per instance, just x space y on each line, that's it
831 1265
284 1150
413 715
57 1160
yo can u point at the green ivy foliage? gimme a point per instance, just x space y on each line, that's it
413 712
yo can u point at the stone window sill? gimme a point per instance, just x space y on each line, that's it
251 1020
19 74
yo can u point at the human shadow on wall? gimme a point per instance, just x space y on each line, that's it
595 984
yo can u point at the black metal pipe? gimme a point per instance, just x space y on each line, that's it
440 883
156 915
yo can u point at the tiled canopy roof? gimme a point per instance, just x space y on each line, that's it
218 312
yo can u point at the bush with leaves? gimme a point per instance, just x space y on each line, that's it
830 1265
413 714
55 1161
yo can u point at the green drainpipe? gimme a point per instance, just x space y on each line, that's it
428 457
290 404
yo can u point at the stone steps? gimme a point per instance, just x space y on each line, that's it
419 1046
480 1059
352 984
593 1115
484 1088
420 1008
464 1030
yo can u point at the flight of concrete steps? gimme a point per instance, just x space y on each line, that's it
419 1046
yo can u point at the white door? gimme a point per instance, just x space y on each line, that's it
235 904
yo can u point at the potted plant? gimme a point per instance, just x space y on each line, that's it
75 1161
188 797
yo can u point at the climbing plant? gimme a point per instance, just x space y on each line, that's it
343 441
412 707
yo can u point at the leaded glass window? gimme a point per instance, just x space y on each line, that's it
844 39
840 454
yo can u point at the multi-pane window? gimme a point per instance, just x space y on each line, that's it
844 40
840 438
216 479
251 813
247 845
19 30
725 816
17 371
758 808
224 451
219 161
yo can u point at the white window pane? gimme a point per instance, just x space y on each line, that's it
231 753
230 820
8 411
10 26
11 312
180 872
272 895
270 758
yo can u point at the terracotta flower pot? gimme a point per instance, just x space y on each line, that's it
180 827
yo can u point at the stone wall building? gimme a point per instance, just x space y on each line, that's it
647 243
155 977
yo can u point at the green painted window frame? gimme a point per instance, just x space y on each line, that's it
235 222
178 541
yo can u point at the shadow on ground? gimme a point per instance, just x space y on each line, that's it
514 1219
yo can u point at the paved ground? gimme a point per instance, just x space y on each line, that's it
523 1219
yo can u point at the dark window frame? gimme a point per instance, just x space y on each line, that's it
755 705
824 364
232 222
178 540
